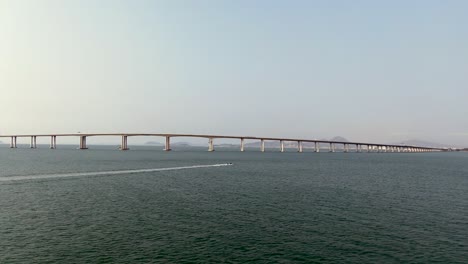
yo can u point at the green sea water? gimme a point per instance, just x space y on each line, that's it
265 208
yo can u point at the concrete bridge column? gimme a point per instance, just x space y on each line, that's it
123 144
281 145
299 146
167 145
31 145
242 145
13 142
345 147
83 142
53 142
316 147
358 148
210 144
262 145
33 142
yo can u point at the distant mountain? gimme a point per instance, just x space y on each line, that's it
338 138
154 143
421 143
181 144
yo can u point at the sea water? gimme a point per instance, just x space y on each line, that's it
103 205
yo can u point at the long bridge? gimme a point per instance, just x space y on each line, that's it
356 146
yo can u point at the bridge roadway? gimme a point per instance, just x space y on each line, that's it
370 147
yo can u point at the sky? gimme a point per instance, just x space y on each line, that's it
374 71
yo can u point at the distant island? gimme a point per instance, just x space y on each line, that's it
420 143
181 144
178 144
154 143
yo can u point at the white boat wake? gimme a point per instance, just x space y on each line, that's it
98 173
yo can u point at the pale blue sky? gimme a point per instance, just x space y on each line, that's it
381 71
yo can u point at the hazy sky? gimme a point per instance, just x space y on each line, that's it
381 71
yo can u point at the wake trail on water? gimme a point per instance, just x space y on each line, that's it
98 173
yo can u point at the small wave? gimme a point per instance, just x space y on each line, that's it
98 173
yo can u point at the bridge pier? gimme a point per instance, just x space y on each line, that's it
210 145
33 142
123 144
242 145
262 145
53 142
281 145
299 146
167 145
316 147
13 142
83 142
345 148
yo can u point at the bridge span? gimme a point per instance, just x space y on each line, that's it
346 146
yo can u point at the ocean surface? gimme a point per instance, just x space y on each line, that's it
107 206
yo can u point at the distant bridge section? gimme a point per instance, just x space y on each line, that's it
346 146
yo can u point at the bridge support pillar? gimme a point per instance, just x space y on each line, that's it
123 144
13 142
281 145
242 145
345 148
262 145
210 144
299 146
83 142
33 142
53 142
167 145
357 148
316 147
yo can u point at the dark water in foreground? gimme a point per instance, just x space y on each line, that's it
266 208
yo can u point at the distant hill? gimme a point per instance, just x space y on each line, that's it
181 144
154 143
338 138
421 143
